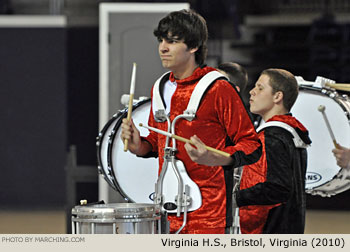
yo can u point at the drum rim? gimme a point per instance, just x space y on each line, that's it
324 191
110 145
316 188
112 211
330 93
99 139
136 219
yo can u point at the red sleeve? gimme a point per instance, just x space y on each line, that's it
245 146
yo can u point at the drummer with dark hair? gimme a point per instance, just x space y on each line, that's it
272 196
221 122
237 75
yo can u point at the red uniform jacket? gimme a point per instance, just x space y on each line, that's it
222 123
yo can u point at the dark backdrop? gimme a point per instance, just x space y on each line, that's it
48 101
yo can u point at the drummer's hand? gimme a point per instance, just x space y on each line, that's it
130 132
199 154
342 156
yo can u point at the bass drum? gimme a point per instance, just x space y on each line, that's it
133 177
324 177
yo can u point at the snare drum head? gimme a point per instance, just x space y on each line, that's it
135 177
321 167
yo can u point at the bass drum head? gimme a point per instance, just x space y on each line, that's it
322 166
134 177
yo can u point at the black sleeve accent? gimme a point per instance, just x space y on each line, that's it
150 154
228 173
241 159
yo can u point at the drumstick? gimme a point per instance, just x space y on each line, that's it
339 86
131 98
322 109
182 139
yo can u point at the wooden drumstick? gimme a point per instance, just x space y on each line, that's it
339 86
185 140
322 109
131 98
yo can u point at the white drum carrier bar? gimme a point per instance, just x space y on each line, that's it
188 196
298 142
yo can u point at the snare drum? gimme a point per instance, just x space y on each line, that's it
133 177
117 218
324 177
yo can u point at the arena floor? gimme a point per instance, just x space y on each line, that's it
54 222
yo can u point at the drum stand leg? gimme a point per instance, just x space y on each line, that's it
237 174
135 228
235 229
73 228
93 228
114 228
163 223
78 227
186 202
178 199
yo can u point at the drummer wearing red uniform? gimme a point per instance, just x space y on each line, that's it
221 122
272 191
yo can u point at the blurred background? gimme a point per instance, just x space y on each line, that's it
49 98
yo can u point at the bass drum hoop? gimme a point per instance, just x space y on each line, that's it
101 137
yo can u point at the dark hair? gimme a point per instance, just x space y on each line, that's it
236 73
189 26
284 81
